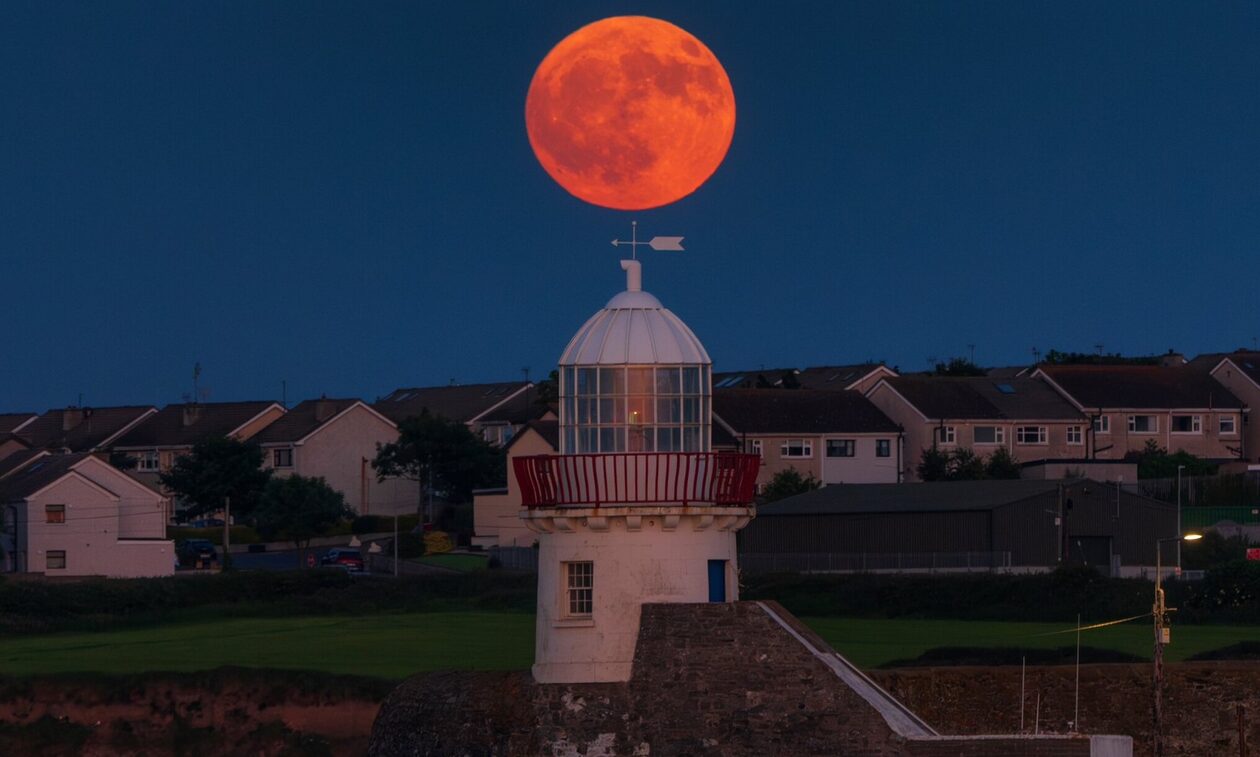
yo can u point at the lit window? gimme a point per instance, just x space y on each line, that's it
1187 424
883 448
54 513
1102 424
282 457
797 448
1030 434
579 588
55 559
1228 425
1143 424
1074 435
945 434
989 435
147 461
840 448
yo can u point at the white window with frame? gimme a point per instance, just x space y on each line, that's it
1030 434
1102 424
55 559
797 448
579 589
1143 424
1187 424
988 435
54 513
754 447
1228 425
841 448
1075 435
148 461
945 434
282 457
883 448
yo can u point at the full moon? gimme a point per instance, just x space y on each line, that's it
630 113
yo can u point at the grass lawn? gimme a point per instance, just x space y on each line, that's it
455 562
396 645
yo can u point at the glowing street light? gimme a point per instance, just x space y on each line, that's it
1162 636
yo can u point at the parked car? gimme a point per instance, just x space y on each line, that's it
196 553
343 557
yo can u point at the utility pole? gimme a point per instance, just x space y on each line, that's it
227 534
395 545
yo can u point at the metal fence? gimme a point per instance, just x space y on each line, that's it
891 562
515 558
1229 490
1202 517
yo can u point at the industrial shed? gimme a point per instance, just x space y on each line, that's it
959 525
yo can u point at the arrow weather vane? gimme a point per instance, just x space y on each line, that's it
660 244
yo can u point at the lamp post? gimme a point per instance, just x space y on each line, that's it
1159 611
1180 468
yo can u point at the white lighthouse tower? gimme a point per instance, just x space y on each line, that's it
637 508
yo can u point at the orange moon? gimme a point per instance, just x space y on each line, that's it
630 113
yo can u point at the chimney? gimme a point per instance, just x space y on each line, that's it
71 417
324 409
191 414
1172 360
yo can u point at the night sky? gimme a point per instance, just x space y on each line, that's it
342 195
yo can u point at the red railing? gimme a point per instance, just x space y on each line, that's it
637 478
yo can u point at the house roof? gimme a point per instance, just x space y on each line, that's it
835 377
518 409
1140 386
460 402
302 420
803 411
1009 371
934 496
1247 361
16 460
763 378
39 474
91 427
10 421
170 428
983 398
548 430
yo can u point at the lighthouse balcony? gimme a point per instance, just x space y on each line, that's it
637 478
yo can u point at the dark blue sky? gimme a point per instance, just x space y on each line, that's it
342 195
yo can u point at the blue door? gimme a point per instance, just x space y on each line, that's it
717 580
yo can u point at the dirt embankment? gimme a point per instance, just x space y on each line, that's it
1200 702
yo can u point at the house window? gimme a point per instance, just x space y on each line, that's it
1187 424
148 461
1143 424
989 435
55 559
883 448
754 446
579 588
1074 435
1102 424
840 448
54 513
1227 425
282 458
945 435
1030 434
797 448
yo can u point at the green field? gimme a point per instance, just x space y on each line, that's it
396 645
455 561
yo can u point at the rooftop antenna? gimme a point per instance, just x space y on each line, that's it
660 244
972 349
1098 348
1036 353
525 371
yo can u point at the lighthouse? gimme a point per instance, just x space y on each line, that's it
636 508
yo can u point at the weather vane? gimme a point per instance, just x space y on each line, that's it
660 244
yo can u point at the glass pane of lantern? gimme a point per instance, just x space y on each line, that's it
667 411
691 380
612 381
639 380
586 381
668 381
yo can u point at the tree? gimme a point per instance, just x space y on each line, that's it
933 464
965 465
788 483
1002 464
218 469
121 460
299 508
959 366
547 391
1155 462
442 454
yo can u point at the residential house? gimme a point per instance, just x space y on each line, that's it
471 404
83 429
496 512
857 378
1239 372
835 436
1023 415
172 431
10 440
1178 408
76 515
772 378
337 439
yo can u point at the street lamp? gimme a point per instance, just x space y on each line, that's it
1180 468
1159 611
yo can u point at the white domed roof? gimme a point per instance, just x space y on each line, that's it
634 328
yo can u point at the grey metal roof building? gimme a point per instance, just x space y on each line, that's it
1029 524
